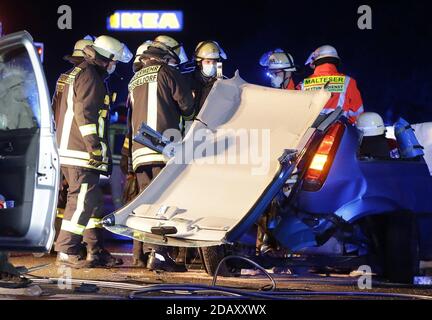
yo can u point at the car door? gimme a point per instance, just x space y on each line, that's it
29 162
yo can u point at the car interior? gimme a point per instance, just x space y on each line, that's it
19 144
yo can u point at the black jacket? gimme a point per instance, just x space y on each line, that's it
81 103
159 96
200 86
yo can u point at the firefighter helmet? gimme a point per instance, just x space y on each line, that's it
112 49
325 51
79 46
278 59
174 48
209 50
143 47
371 124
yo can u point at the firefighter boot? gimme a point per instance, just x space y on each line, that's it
75 261
161 261
102 258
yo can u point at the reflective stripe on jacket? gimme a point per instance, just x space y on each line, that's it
159 96
343 88
82 117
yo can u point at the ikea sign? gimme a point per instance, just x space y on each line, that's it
145 21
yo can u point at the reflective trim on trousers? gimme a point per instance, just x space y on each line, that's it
80 203
72 227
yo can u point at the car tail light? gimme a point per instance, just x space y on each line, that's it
321 162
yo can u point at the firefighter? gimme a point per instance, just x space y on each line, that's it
75 59
158 96
131 188
325 61
206 56
279 66
137 64
82 124
374 141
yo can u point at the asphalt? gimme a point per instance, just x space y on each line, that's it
52 282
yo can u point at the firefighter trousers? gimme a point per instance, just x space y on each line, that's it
83 212
145 175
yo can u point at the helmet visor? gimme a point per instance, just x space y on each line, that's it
264 60
221 51
182 55
124 55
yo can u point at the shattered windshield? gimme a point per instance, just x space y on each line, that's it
19 100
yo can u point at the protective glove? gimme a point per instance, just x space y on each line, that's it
96 159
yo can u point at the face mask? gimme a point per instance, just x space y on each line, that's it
111 69
276 81
209 70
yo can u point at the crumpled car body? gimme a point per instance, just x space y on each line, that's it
244 144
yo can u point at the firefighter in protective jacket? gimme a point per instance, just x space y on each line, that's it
82 126
160 97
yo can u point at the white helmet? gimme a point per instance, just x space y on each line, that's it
143 47
112 49
174 48
277 59
209 50
371 124
326 51
79 46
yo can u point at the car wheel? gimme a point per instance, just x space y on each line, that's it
211 257
401 255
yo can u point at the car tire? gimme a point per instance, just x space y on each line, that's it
401 255
211 257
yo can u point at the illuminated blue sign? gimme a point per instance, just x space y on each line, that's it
145 21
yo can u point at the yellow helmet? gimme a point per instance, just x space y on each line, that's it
172 46
209 50
79 46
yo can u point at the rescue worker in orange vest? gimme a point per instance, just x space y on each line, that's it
325 61
279 66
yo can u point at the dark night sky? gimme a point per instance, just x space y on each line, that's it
391 62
